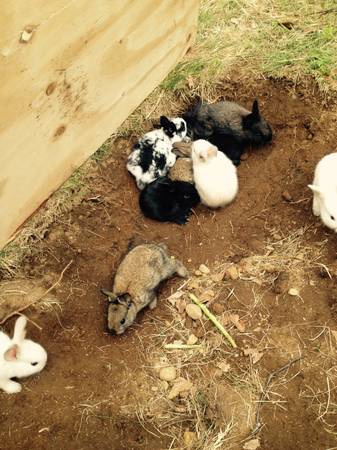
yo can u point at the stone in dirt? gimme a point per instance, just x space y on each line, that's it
232 273
192 339
206 296
253 444
193 311
168 374
180 387
294 292
190 437
204 269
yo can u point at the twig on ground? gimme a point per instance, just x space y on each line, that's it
18 311
213 319
181 346
264 394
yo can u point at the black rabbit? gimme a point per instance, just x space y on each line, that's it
228 126
168 201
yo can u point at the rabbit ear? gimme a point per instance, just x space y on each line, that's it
20 329
12 353
212 151
315 189
111 296
255 109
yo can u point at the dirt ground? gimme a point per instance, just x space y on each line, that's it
93 391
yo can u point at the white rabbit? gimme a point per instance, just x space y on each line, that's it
324 188
214 174
19 357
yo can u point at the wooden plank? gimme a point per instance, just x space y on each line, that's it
87 66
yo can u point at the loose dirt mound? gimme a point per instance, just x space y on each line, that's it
101 391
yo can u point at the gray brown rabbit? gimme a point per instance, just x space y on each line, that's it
135 283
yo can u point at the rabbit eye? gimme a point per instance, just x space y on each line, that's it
332 218
34 364
122 321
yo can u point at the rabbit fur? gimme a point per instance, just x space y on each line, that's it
168 201
228 126
324 188
152 155
135 283
214 174
19 357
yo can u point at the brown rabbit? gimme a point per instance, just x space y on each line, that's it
135 283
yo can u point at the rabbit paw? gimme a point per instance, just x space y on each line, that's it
11 387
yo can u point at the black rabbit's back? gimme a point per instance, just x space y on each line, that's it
168 201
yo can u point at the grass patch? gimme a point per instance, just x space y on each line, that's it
279 38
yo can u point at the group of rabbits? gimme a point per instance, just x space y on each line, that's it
213 137
217 135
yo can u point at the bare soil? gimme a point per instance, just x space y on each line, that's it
90 394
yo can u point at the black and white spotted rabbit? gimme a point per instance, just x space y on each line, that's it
152 155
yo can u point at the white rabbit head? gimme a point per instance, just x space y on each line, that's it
327 206
203 151
20 357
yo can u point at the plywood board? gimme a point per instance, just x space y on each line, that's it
86 67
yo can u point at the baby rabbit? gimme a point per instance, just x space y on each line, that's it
152 156
136 280
182 171
19 357
215 175
229 126
324 188
168 201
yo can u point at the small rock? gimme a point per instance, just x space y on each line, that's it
253 444
198 273
189 438
224 367
217 277
287 196
168 374
232 272
204 269
206 296
180 387
192 339
193 284
217 308
294 292
193 311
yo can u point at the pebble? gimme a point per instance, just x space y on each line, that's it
232 272
206 296
193 311
287 196
204 269
190 437
168 374
198 273
294 292
192 339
